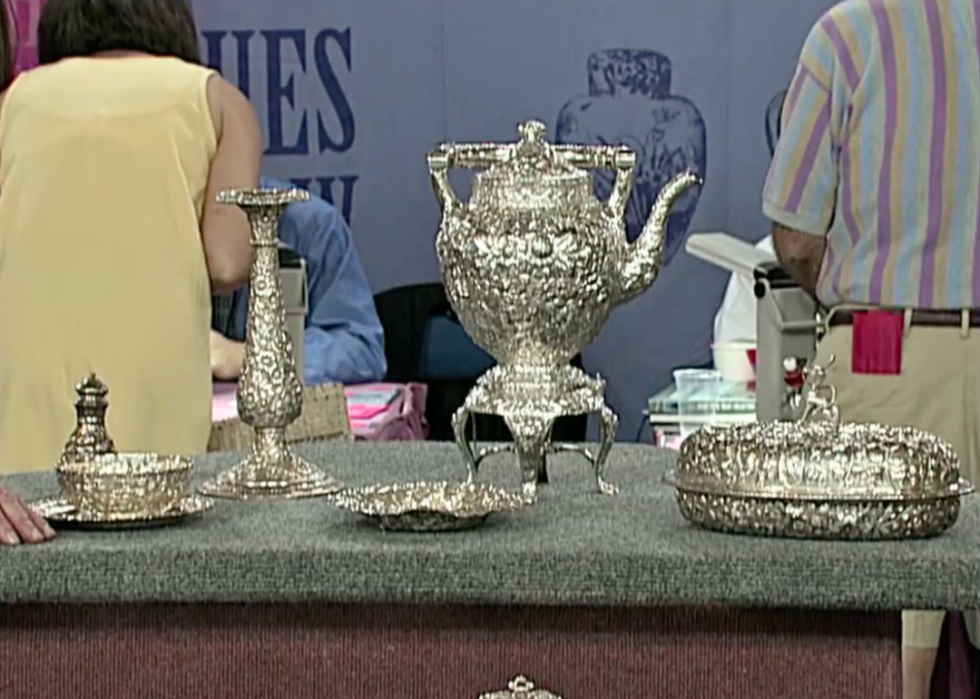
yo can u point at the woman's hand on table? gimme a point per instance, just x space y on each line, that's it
19 524
227 357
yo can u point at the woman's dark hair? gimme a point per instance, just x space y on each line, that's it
78 28
6 46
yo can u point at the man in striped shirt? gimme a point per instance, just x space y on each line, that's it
874 194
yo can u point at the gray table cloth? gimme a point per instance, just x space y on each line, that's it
574 547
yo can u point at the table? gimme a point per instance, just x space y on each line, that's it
589 595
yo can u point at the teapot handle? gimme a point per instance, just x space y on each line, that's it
618 158
471 156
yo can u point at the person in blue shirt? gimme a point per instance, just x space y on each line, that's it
343 340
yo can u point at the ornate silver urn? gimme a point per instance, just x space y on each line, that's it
533 264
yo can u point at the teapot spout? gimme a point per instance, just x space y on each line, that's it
645 255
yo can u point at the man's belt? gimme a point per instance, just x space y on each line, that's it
931 318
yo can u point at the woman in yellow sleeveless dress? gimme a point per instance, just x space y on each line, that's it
111 155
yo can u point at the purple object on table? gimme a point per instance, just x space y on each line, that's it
224 403
403 417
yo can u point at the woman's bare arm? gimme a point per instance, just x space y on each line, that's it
236 164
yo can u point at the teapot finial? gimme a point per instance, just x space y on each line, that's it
644 256
532 131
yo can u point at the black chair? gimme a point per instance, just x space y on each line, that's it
425 342
774 115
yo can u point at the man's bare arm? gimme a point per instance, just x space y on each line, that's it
800 254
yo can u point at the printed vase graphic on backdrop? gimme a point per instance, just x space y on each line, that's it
774 115
630 103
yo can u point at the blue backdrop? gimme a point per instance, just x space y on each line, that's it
353 93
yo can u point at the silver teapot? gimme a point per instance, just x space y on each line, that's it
533 264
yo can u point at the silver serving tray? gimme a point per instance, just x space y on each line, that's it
62 515
818 478
437 506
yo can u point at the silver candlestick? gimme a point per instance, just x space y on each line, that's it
270 395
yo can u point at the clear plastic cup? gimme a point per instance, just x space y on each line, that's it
697 393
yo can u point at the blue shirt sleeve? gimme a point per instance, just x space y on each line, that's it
343 341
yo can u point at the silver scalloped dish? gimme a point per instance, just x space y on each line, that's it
435 506
819 478
62 514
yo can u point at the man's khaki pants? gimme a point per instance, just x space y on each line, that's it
938 391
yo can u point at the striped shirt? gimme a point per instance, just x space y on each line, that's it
880 153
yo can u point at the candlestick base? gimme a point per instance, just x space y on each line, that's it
271 470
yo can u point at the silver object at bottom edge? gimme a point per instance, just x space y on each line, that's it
520 688
819 478
63 515
427 507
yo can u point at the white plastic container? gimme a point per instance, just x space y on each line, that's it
735 361
696 392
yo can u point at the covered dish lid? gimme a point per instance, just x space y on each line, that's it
818 457
532 174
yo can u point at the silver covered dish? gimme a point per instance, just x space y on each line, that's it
819 478
434 506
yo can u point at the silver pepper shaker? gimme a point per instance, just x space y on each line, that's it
90 437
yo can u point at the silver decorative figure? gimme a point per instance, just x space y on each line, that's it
533 264
270 395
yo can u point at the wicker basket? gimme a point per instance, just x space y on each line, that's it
324 417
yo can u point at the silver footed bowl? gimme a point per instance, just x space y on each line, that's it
818 477
114 486
428 506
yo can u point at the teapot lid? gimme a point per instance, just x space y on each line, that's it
534 175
